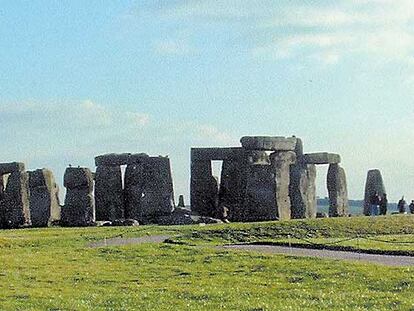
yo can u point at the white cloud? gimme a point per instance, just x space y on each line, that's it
72 116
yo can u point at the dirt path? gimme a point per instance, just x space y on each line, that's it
388 260
129 241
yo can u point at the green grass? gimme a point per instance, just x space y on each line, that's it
53 269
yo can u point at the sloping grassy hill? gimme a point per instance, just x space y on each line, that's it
54 269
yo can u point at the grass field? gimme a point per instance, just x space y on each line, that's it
54 269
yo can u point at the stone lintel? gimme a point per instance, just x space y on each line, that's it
8 168
322 158
269 143
118 159
216 154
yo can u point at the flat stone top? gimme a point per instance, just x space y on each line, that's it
8 168
322 158
211 154
117 159
270 143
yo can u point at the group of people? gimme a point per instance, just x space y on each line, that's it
379 205
401 206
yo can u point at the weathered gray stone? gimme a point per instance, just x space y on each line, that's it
78 178
184 217
302 191
216 154
232 189
109 197
374 184
281 163
181 201
118 159
149 189
44 198
112 159
322 158
260 197
257 157
79 208
15 205
338 193
204 189
8 168
125 222
268 143
134 186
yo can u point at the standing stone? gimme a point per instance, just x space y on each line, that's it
149 189
204 188
181 201
79 209
109 200
374 183
233 188
338 193
44 198
259 197
15 205
303 191
281 162
134 185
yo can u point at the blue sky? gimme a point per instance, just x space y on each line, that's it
81 78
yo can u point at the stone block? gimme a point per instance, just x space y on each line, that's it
109 196
269 143
338 193
322 158
232 189
44 198
8 168
216 154
302 191
15 205
118 159
78 178
374 184
281 163
149 189
79 208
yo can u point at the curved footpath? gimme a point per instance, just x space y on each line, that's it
388 260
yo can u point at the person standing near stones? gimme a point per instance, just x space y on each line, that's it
411 207
401 206
383 204
375 202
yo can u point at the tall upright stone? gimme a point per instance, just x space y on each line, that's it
149 189
281 163
374 184
109 199
259 202
15 204
233 188
79 208
338 193
134 186
302 190
44 198
204 188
